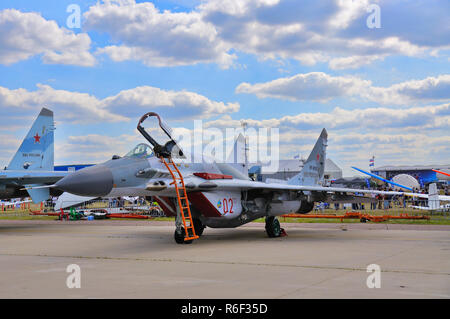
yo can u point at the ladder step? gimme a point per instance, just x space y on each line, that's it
181 195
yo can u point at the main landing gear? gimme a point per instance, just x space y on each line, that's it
273 228
198 226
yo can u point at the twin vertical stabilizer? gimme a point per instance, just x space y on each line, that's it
314 168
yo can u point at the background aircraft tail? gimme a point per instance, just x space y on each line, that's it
237 156
433 196
312 172
36 151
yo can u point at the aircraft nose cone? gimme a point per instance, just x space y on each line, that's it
94 181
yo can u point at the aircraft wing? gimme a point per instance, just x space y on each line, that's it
198 184
440 197
32 177
194 183
243 184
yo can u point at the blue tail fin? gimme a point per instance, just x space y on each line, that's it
36 151
314 168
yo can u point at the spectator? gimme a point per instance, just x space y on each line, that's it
373 203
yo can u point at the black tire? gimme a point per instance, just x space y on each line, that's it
273 228
198 226
179 237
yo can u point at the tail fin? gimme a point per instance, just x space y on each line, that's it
36 151
237 156
313 170
433 196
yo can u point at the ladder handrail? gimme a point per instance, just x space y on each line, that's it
187 236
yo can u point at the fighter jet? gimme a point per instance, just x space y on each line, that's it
206 194
32 165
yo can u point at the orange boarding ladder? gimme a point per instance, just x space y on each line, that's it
182 198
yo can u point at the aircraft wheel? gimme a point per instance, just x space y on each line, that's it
198 226
179 237
273 227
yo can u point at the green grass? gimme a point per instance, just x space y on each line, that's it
25 217
436 219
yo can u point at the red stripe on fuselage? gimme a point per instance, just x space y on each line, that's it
203 205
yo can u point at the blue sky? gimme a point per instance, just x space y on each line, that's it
381 91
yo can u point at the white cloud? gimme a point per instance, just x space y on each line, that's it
314 86
319 86
332 31
154 37
76 107
428 89
69 106
352 62
381 118
308 31
174 104
23 35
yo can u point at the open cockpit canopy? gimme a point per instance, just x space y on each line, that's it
165 146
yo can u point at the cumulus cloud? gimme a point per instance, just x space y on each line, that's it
154 37
314 86
428 117
428 89
69 106
321 87
78 107
308 31
23 35
332 31
174 104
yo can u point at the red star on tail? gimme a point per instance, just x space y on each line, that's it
37 139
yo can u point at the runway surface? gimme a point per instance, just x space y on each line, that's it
139 259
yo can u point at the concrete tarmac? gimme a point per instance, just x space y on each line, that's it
139 259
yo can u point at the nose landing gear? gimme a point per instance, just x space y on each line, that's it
179 236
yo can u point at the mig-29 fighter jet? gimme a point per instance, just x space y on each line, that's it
217 195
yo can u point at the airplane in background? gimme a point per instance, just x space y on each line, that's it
382 179
217 195
33 163
442 173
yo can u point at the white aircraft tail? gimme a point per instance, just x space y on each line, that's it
314 168
433 197
236 158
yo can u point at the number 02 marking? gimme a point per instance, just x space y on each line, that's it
227 203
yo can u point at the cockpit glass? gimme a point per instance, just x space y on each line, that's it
140 150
